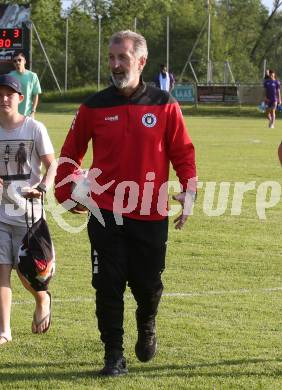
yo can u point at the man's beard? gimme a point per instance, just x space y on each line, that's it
121 83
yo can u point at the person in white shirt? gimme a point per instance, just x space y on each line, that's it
164 80
24 146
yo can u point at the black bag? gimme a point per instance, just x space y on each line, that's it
36 254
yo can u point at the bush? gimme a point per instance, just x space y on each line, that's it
75 95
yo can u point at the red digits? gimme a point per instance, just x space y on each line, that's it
16 33
7 43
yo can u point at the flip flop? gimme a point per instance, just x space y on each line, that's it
36 323
5 339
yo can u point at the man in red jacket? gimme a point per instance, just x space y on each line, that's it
136 131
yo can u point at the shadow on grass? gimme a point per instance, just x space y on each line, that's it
224 363
156 371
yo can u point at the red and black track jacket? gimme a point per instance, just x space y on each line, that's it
134 139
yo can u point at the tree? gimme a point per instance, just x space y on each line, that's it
242 32
83 48
184 35
265 27
241 21
47 19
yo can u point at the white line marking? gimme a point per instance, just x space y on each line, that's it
172 295
223 292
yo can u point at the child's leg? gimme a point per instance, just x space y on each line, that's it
42 315
41 320
5 302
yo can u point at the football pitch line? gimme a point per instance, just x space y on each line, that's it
168 295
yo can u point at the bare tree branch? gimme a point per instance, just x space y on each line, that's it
271 44
276 5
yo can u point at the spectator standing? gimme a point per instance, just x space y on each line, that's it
164 79
30 85
266 75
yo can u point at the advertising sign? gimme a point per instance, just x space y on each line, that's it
184 93
217 94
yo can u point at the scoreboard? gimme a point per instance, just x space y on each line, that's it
15 34
11 38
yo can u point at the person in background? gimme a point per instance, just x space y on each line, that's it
30 85
266 75
24 147
145 126
164 79
272 97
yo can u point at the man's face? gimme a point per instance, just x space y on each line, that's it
19 63
9 99
163 70
125 67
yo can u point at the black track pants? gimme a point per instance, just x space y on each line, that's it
135 253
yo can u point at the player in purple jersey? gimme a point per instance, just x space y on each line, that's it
272 96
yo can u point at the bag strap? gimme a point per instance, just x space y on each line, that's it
26 214
32 211
42 203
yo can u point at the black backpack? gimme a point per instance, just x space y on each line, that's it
36 254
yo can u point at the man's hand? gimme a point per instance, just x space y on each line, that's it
186 200
79 209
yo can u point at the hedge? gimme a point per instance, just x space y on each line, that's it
75 95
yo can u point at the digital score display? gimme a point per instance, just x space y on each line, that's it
11 38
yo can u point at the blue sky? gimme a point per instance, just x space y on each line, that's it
66 3
268 3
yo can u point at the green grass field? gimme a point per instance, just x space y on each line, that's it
219 323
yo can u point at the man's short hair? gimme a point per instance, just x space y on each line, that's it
20 53
139 42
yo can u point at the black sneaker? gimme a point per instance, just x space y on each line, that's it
146 346
115 364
